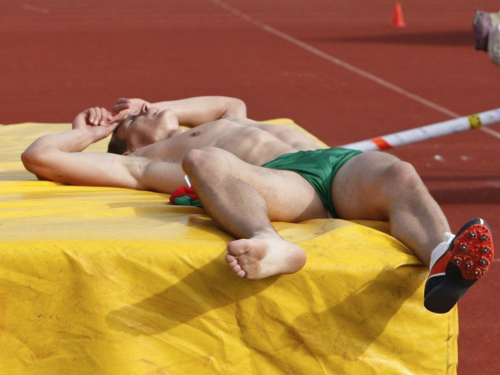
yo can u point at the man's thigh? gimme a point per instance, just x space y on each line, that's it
289 197
357 187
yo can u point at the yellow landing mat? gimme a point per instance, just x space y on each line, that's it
116 281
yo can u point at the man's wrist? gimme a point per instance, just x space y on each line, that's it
86 135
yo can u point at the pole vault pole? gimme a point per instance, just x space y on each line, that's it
427 132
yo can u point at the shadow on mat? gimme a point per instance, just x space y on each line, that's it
346 329
437 38
349 328
205 289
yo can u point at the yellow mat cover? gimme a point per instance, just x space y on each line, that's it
117 281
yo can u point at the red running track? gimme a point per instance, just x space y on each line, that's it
337 68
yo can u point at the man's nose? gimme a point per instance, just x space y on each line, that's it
144 108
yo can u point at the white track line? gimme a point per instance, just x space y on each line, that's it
32 8
491 132
345 65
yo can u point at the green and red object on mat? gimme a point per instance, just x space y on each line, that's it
185 196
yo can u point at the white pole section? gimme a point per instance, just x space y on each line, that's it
427 132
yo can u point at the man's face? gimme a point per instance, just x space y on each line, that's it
149 126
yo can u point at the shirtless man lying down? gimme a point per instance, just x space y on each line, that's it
230 158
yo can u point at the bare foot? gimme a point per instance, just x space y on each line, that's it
257 258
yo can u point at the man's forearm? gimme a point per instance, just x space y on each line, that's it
42 156
203 109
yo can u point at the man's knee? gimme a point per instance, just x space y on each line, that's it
200 161
400 178
195 160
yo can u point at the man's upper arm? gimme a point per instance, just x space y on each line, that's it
83 168
163 176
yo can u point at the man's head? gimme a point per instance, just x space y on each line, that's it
151 125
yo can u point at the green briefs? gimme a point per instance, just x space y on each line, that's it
318 167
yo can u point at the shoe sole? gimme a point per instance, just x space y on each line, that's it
468 258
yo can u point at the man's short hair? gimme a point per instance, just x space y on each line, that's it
117 145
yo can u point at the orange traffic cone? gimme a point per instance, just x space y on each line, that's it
397 16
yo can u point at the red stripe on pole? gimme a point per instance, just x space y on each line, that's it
381 143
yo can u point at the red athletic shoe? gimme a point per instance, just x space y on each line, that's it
463 260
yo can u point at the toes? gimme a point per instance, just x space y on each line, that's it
241 273
237 268
233 263
230 258
238 247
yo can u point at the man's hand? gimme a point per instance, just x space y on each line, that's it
93 116
98 122
125 106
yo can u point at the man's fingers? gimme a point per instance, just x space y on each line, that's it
104 116
117 108
121 104
92 115
97 116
